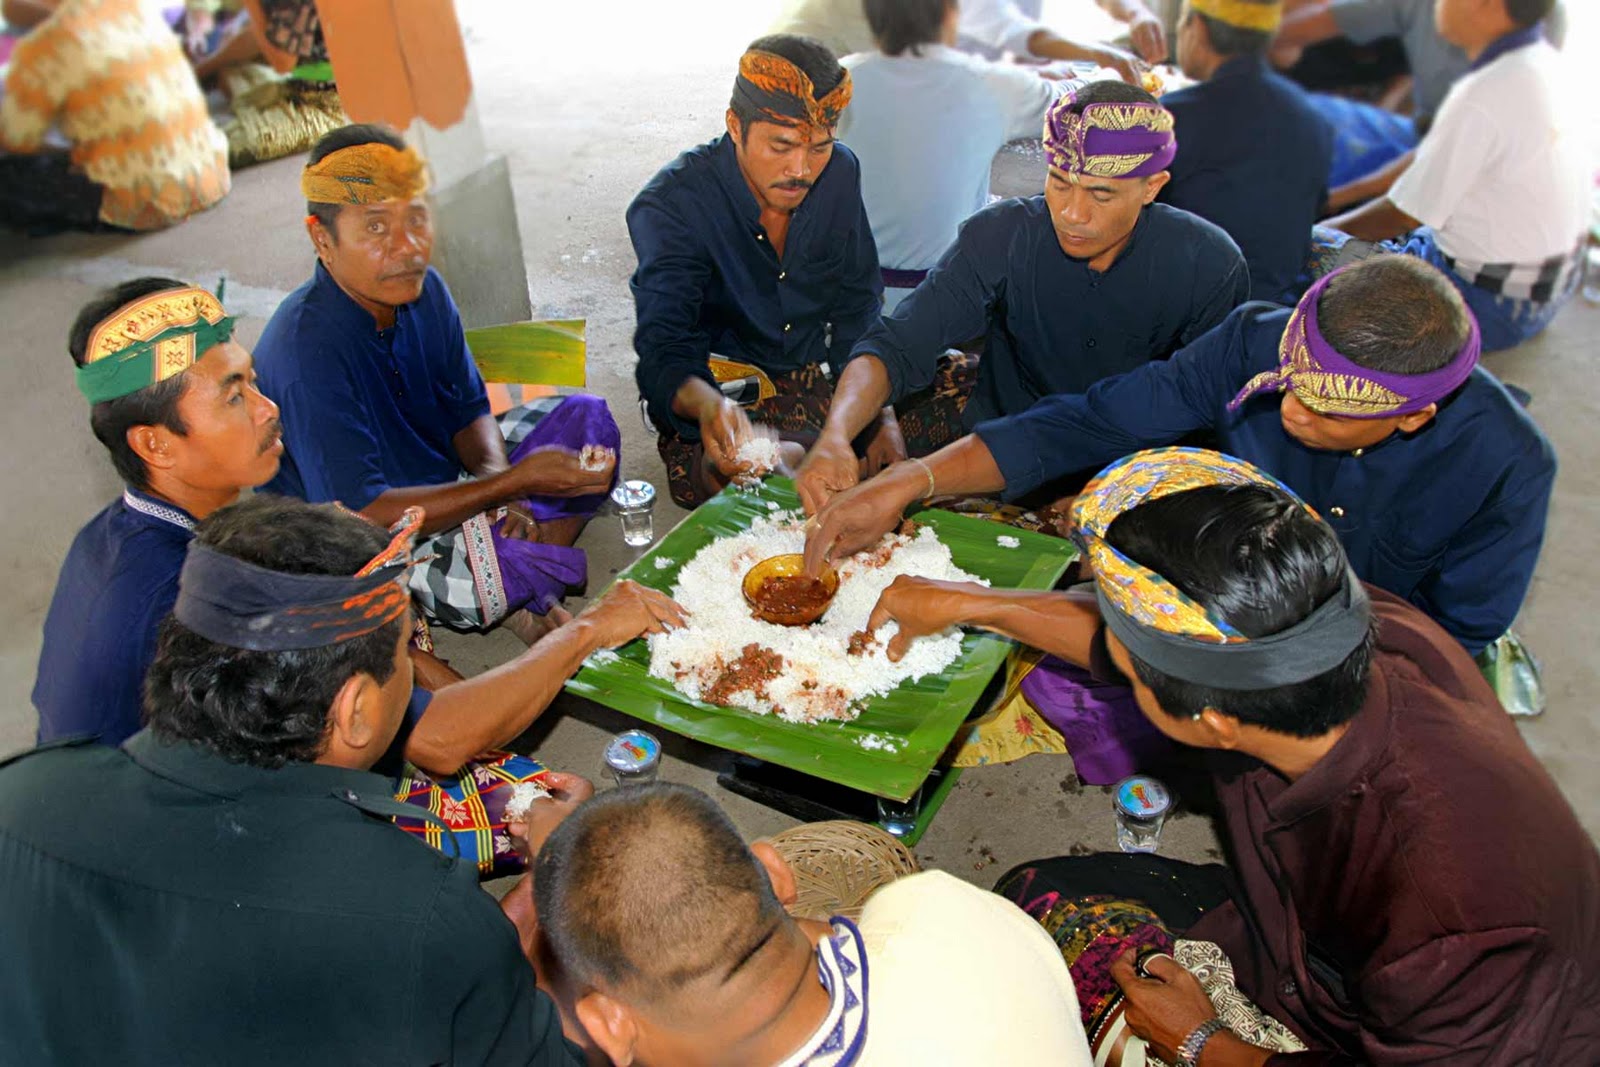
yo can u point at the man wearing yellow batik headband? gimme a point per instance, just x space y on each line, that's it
1405 880
384 408
1088 280
1254 154
1366 400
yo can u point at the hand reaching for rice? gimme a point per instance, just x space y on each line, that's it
557 471
530 826
723 431
919 607
629 609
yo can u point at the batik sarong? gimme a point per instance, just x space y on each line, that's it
473 805
476 576
796 406
1365 137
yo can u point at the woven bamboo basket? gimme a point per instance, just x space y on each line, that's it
837 866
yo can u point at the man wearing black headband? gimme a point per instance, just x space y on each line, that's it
1411 886
228 887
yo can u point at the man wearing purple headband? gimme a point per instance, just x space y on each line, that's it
1366 400
1088 280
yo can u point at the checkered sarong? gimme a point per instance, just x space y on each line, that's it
1538 282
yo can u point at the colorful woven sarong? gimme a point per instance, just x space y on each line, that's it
473 805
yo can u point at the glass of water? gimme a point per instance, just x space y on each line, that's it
899 817
1142 805
633 758
634 500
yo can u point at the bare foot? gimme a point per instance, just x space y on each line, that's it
530 627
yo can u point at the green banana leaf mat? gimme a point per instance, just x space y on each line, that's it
919 719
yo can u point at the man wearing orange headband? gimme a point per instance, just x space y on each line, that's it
384 407
1406 883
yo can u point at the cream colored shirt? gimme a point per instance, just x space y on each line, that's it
957 975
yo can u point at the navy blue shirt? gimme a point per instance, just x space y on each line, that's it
1052 324
118 583
709 282
1253 157
366 410
1449 517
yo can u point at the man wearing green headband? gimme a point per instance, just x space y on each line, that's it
1408 884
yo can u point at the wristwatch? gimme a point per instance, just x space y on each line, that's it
1189 1051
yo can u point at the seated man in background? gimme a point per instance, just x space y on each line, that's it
667 939
1254 154
1366 400
384 409
926 121
1088 280
1498 194
144 153
227 887
1411 884
175 403
757 269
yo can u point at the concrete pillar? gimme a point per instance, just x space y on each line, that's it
402 62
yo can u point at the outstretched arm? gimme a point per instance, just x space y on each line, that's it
1060 623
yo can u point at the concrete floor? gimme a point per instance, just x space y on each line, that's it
582 131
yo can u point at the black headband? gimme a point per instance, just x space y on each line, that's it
1315 645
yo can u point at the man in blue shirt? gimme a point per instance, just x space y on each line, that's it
1253 155
384 408
1088 280
1443 505
757 269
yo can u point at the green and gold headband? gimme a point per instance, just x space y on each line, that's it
150 340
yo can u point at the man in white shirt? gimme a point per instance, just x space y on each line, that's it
666 938
926 121
1497 195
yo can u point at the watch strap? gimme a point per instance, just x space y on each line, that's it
1189 1051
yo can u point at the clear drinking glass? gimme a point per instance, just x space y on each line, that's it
899 817
633 757
1141 805
635 500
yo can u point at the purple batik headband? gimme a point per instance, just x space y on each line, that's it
1112 140
1329 384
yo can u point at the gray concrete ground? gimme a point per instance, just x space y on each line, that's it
582 129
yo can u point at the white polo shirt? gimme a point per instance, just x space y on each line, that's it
1504 174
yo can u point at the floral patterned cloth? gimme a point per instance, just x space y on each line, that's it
472 803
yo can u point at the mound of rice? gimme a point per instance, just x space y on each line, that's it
819 677
761 452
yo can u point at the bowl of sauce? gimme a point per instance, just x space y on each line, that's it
780 591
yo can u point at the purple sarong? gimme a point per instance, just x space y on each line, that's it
1107 736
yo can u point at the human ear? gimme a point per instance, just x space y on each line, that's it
1221 730
153 445
354 712
734 127
1154 184
1418 419
610 1025
779 873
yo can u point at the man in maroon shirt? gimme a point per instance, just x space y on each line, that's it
1409 884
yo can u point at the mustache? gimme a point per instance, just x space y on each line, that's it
409 272
796 183
274 435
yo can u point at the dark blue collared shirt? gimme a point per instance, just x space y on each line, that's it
365 410
1051 324
1253 157
118 583
1450 517
709 282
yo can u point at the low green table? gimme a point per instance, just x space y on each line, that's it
918 719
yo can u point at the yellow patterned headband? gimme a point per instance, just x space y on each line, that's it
365 174
1262 17
150 340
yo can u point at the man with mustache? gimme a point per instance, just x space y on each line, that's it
384 408
1088 280
757 271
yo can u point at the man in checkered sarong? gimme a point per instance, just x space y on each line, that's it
384 408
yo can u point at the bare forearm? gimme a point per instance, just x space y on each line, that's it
481 447
1225 1049
696 399
1378 220
1308 25
858 399
1122 10
1047 44
1371 186
1060 623
447 506
491 709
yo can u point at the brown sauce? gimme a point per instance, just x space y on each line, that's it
756 666
792 594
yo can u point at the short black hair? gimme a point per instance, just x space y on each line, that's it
346 137
1526 13
809 54
1229 41
1109 91
1394 313
1255 557
154 405
906 25
267 708
646 888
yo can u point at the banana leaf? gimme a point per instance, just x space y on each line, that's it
531 353
920 718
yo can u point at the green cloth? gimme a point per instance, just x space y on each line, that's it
134 368
159 904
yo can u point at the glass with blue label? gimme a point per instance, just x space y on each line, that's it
1142 805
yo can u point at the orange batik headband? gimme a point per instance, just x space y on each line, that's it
365 174
783 93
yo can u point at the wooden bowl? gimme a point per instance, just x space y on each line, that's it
789 565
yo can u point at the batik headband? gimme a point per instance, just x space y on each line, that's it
1261 17
781 92
1330 384
365 174
149 341
1111 140
242 605
1162 626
